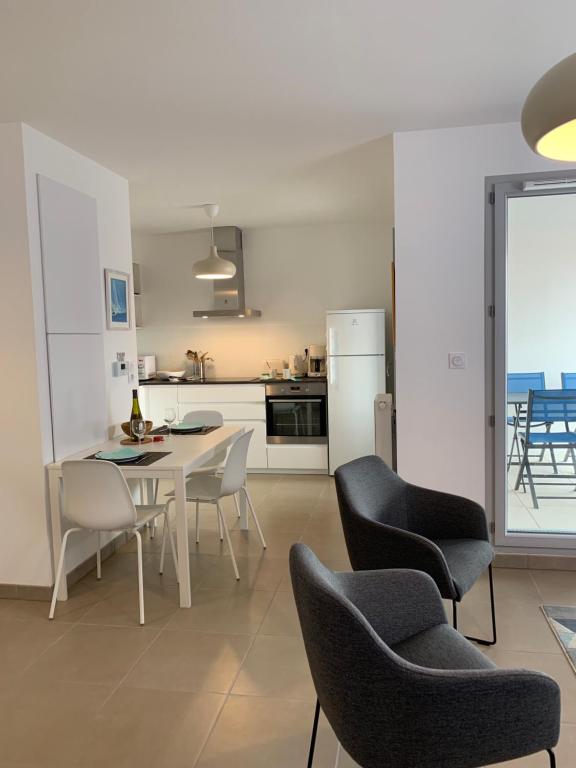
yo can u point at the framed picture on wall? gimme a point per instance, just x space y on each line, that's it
117 300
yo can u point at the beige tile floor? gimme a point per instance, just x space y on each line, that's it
226 683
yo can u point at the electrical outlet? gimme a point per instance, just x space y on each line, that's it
457 360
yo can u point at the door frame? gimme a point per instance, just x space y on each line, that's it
498 190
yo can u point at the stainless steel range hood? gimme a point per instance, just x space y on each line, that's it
229 297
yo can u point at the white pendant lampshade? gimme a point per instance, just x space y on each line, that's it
214 267
549 114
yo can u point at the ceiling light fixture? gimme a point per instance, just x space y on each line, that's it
549 113
214 267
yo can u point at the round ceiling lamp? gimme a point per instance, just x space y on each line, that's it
214 267
549 113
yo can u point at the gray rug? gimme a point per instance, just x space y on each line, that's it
562 620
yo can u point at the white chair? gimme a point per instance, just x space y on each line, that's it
97 498
209 489
209 419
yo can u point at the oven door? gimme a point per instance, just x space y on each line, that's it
296 419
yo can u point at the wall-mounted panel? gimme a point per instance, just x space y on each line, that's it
73 283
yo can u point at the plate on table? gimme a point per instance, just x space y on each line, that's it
187 428
121 456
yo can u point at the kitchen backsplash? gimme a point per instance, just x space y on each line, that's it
238 348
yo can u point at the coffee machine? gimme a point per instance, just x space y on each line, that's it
316 360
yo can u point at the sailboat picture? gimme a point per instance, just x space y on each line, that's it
117 300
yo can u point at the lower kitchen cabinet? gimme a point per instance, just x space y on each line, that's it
155 399
249 413
257 456
309 456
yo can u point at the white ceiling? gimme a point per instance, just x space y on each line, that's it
257 104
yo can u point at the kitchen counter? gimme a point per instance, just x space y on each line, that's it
230 380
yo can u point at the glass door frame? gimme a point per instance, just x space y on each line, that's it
499 190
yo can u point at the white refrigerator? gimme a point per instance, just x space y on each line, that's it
356 369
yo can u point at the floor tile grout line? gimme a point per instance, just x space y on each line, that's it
139 657
221 708
31 664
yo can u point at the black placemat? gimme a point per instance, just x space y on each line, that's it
164 431
147 458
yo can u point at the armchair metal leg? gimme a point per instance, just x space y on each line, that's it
314 732
552 757
478 640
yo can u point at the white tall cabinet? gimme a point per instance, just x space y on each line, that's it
73 309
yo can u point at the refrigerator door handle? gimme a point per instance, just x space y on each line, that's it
332 379
331 341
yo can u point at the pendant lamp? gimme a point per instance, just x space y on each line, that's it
549 113
214 267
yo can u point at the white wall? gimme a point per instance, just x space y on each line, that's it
541 280
25 557
24 547
439 220
293 274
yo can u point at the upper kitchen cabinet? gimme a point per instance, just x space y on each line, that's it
73 280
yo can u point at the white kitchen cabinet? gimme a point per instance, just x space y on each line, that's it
79 411
241 405
308 456
73 281
221 393
154 400
229 411
257 455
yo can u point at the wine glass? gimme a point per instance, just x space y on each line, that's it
170 418
138 429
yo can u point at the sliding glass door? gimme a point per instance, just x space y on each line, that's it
531 326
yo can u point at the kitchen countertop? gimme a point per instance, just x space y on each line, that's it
229 380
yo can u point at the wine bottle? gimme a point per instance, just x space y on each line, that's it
135 413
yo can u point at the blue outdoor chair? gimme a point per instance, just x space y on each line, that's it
520 383
548 406
568 380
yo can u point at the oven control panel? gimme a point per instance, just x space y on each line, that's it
295 389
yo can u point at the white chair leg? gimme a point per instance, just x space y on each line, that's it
152 527
140 575
163 547
98 558
171 540
228 541
236 504
220 533
337 756
59 570
253 512
197 522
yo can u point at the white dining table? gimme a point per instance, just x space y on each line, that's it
186 453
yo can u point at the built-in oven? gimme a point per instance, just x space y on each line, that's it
296 412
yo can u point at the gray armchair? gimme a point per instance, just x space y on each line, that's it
400 687
389 523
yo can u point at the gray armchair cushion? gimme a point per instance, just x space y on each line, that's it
387 707
467 559
389 523
442 647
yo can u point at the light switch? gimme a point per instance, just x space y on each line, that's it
457 360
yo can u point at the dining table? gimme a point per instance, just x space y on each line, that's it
181 455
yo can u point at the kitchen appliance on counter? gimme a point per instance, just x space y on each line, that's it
296 412
316 360
356 375
146 367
